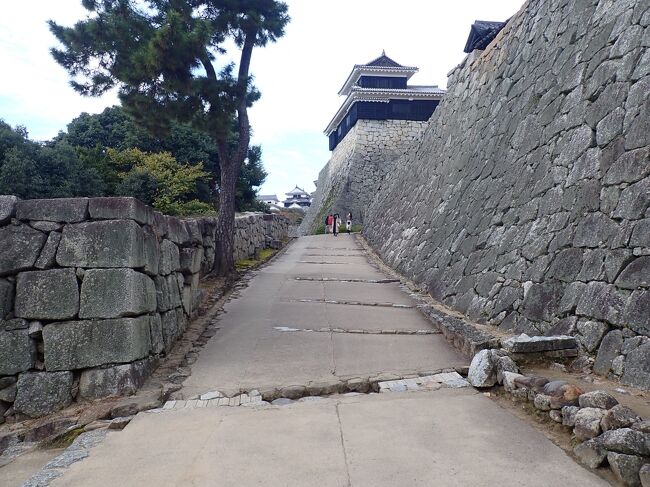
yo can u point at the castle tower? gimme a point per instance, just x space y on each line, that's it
379 90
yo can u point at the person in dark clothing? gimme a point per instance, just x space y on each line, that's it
337 222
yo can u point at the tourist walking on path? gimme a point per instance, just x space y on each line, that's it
337 223
348 223
330 223
327 223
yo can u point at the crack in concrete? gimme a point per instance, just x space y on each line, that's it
291 329
345 453
332 279
348 303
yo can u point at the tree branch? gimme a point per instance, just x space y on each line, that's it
207 65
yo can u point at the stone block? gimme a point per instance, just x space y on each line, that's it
122 208
636 274
17 351
190 259
597 399
47 258
626 440
619 417
45 226
41 393
7 207
482 370
68 210
644 475
591 453
609 349
157 339
47 295
151 252
81 344
526 344
6 298
117 380
542 300
177 231
108 243
587 423
113 293
637 367
591 334
21 245
169 258
170 329
626 468
636 314
601 302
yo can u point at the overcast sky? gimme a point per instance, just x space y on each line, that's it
299 76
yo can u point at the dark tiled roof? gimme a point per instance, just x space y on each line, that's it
384 62
481 34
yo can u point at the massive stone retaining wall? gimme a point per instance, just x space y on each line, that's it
93 291
526 205
357 167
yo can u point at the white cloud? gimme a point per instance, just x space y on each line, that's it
299 77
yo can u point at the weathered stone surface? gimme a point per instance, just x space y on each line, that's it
569 415
597 399
45 226
509 381
151 252
109 243
177 231
636 274
6 298
157 338
601 301
8 394
644 475
21 245
113 293
69 210
609 349
587 423
7 207
542 402
190 260
562 394
17 351
591 453
482 370
118 380
120 208
526 344
47 258
41 393
169 258
592 332
80 344
619 417
505 364
47 295
637 367
626 440
626 468
637 312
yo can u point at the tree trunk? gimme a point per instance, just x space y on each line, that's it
231 165
224 259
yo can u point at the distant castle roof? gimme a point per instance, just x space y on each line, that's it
267 197
382 66
384 61
482 33
297 191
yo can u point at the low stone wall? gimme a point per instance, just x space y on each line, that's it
358 164
94 290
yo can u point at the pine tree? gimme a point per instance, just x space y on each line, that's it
162 57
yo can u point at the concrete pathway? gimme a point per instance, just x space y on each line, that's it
446 437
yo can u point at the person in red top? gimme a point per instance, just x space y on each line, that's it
330 223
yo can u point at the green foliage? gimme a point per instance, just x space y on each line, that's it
158 179
251 175
54 170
